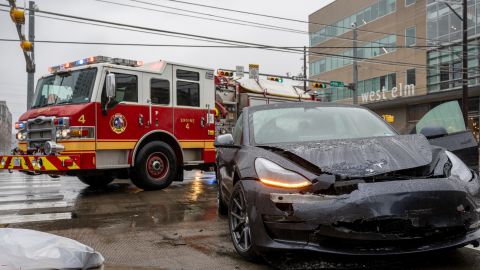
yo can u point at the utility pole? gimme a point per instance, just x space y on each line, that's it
355 65
31 63
464 19
18 17
305 68
465 64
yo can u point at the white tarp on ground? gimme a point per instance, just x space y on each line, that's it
28 249
272 88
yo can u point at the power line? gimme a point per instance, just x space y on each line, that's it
423 48
260 46
290 19
198 46
232 21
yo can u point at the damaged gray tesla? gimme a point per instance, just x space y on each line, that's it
338 179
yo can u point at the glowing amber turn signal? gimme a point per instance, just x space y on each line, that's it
276 183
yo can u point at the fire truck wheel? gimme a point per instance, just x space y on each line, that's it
155 166
96 181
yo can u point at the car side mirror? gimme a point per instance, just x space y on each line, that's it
225 141
110 85
434 132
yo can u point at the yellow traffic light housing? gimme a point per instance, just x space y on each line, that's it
275 79
319 85
17 15
26 46
224 73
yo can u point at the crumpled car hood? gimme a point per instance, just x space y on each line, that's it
366 156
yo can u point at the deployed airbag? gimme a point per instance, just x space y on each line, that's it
28 249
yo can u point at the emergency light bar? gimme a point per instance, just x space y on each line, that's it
96 60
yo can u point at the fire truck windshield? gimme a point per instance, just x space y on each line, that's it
70 87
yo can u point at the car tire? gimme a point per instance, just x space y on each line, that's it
155 166
96 181
241 234
221 204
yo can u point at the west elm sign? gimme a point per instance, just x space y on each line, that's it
401 91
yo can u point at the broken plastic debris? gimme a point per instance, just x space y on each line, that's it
28 249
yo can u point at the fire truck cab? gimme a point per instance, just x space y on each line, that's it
102 118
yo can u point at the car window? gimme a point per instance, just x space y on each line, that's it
237 131
299 124
447 115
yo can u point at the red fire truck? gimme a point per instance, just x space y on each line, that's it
102 118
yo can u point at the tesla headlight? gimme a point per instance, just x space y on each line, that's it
459 169
272 174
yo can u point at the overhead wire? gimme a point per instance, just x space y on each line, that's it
288 19
423 48
259 46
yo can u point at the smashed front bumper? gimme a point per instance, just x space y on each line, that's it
386 218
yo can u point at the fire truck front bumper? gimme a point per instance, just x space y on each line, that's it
42 163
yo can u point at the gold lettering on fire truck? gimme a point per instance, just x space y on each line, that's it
118 123
81 119
187 122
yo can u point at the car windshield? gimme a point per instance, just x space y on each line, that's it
65 88
289 125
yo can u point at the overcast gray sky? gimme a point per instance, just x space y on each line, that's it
12 65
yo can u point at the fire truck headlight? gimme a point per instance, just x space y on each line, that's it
21 136
65 133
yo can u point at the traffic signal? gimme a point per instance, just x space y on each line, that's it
319 85
26 45
275 79
224 73
17 15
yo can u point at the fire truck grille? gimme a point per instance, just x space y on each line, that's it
40 130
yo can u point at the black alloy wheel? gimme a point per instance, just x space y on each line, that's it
239 224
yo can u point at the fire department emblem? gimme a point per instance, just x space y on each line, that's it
118 123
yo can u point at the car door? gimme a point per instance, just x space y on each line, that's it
226 159
458 139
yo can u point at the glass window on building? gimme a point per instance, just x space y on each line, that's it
410 36
444 76
360 88
411 79
368 86
392 81
383 82
382 8
409 2
391 6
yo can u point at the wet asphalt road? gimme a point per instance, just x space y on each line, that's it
175 228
